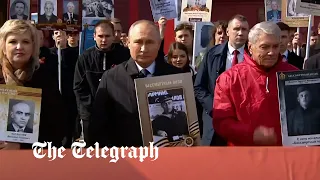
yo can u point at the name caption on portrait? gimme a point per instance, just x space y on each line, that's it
79 151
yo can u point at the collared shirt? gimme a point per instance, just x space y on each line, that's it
151 68
286 53
230 55
16 127
70 15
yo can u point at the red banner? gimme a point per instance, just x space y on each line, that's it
230 163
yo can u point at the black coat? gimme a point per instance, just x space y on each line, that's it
212 65
115 119
88 72
313 62
295 60
53 112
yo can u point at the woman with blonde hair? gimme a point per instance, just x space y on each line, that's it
19 66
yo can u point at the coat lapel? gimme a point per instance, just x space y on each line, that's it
132 71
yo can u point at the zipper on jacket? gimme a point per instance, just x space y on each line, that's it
104 61
267 85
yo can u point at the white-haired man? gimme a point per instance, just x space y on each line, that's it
70 17
246 107
48 17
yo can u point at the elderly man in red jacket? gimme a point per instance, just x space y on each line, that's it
246 107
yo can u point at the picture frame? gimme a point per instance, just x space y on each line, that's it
167 110
20 109
299 107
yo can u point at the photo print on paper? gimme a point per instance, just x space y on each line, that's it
19 9
167 111
20 116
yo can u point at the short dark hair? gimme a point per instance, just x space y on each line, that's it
313 33
283 26
238 17
104 23
20 1
184 26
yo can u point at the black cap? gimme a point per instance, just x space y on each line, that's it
165 98
301 89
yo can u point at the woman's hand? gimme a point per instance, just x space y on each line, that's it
9 146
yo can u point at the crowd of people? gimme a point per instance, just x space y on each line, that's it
234 79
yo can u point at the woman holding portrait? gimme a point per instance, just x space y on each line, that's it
19 66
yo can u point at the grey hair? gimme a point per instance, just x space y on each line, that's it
269 28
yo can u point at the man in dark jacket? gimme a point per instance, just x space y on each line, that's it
218 59
115 120
92 64
313 62
288 56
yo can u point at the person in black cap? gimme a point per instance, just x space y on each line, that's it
171 123
305 118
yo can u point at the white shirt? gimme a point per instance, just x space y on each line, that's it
151 68
16 127
230 55
286 53
70 15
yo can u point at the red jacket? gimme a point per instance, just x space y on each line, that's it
246 97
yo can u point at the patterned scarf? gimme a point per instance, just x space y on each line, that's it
10 77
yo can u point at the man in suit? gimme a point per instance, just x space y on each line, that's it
288 56
218 59
274 14
19 8
20 115
48 17
115 119
70 17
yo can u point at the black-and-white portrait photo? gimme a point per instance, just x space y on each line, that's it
291 9
303 109
167 111
48 12
20 116
71 11
19 9
98 8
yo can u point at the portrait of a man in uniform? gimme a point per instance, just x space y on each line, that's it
172 123
304 119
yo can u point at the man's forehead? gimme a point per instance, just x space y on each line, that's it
21 106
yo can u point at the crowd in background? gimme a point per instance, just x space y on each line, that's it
234 78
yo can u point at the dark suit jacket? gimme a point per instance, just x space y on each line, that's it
212 65
26 129
295 60
25 17
43 20
270 15
66 18
313 62
115 118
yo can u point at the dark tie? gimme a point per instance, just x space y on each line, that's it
145 72
235 57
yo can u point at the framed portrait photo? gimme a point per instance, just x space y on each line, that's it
299 107
20 109
168 115
19 9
